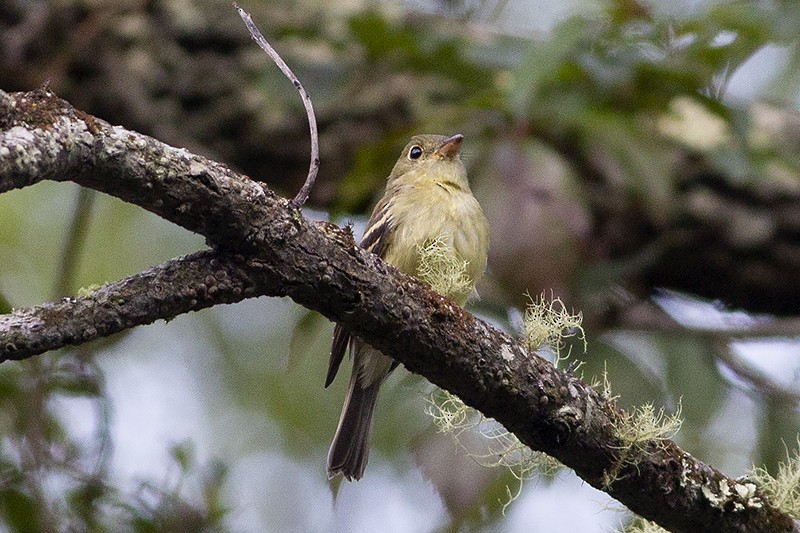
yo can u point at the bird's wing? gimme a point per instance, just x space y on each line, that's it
376 239
379 229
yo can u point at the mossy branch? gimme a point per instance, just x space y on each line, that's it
262 246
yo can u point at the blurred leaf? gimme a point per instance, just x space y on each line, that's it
645 167
379 38
373 162
183 454
142 524
20 512
10 387
85 501
545 62
74 385
420 51
214 478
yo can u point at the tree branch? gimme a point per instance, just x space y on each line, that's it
263 246
178 286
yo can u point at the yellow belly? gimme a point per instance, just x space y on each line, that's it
435 212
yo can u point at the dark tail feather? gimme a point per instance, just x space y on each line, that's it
350 448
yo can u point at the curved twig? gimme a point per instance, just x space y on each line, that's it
255 33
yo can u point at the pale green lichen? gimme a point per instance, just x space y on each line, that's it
503 449
604 385
716 492
743 496
640 429
640 525
442 268
85 292
783 489
546 323
450 414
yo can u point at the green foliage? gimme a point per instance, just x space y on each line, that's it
155 508
21 511
600 83
372 163
778 425
39 449
414 50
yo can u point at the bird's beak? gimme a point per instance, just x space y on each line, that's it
450 147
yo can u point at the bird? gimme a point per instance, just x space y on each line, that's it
427 197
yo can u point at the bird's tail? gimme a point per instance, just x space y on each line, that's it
350 448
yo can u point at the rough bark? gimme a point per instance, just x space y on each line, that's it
263 247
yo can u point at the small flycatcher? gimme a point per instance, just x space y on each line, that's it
427 197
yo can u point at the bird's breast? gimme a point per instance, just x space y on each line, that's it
451 215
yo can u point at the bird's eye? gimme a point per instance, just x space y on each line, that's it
415 152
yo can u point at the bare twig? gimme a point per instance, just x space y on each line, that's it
649 317
760 381
255 33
